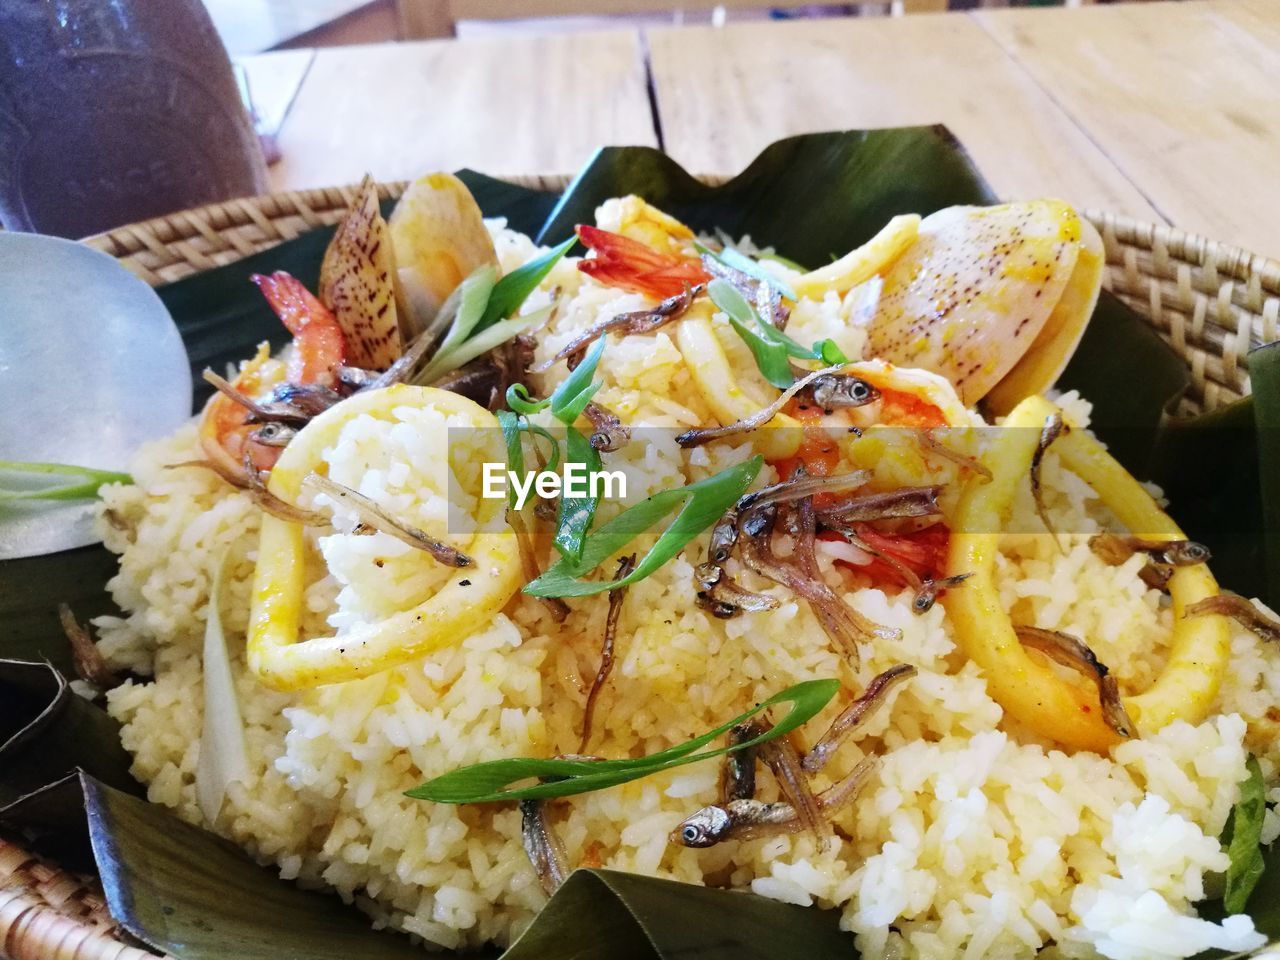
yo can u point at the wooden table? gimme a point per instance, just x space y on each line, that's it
1164 111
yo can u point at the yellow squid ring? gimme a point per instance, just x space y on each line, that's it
449 615
1026 688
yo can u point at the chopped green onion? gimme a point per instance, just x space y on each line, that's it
89 481
490 782
519 400
571 397
1242 838
480 343
513 290
743 264
768 345
704 503
576 513
474 294
829 353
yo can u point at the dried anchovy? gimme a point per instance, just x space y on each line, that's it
625 566
608 433
927 595
853 715
724 537
1054 427
288 401
258 411
697 437
1241 611
542 845
766 297
1115 550
274 434
87 659
800 487
842 392
1074 653
403 368
746 819
510 362
272 504
784 762
889 505
355 378
930 442
842 623
639 321
477 381
372 515
738 772
723 597
524 543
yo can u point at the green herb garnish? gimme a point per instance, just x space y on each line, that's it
85 484
704 503
829 353
487 782
771 348
574 517
514 289
1242 839
736 260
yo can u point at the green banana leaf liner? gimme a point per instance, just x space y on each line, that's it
64 778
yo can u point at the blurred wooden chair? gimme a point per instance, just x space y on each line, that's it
437 18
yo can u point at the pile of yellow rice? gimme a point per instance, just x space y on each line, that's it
973 839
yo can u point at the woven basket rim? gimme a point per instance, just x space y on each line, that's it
1230 259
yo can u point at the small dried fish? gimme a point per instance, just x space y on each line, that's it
929 440
1116 549
699 436
784 762
724 537
608 433
640 321
1241 611
801 486
274 434
853 715
1054 427
888 505
356 378
747 819
272 504
840 392
90 665
542 845
929 590
738 773
765 297
844 625
724 597
529 560
370 514
625 566
305 401
1074 653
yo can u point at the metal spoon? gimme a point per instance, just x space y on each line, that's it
91 367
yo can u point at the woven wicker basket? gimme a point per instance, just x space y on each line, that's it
1210 301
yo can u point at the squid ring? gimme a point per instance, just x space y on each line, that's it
1026 688
464 604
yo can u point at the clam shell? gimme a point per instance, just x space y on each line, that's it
971 295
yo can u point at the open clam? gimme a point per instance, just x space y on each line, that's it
995 299
439 238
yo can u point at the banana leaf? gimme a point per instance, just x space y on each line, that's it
813 197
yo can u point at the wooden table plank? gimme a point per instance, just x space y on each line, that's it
529 104
1182 96
723 94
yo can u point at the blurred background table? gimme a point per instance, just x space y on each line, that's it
1166 111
